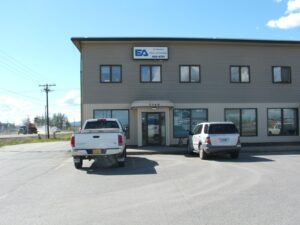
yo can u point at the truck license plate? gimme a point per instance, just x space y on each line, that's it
98 151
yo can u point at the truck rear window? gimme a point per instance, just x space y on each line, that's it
222 129
100 124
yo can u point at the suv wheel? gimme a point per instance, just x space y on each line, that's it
202 154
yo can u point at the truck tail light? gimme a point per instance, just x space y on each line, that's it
120 140
207 141
73 141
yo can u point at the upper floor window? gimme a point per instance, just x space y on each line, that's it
150 73
110 74
239 74
190 74
281 74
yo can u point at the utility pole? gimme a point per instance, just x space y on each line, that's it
46 89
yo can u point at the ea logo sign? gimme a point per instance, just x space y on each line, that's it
141 52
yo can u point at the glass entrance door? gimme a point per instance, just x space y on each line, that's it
153 129
153 124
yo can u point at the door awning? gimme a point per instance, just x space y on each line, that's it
152 104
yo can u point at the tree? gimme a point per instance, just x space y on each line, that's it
59 120
39 120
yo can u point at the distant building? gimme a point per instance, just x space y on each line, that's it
160 88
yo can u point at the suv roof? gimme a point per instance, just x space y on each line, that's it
215 123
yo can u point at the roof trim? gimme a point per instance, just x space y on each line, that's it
77 40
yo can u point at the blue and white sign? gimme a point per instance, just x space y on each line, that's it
150 52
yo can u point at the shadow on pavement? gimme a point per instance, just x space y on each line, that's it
133 166
244 158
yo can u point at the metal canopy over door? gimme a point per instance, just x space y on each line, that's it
153 128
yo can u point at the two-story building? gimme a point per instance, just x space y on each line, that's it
159 88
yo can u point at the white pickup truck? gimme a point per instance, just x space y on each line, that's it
99 138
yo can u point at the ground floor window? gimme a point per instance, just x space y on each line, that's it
186 119
244 119
282 122
121 114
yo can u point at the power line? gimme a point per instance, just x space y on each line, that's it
19 65
22 95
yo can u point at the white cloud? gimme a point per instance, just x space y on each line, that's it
293 5
69 105
290 20
72 98
14 109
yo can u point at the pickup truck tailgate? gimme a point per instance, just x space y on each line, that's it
96 140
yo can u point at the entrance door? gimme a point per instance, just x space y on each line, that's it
153 128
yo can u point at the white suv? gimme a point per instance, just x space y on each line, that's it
214 137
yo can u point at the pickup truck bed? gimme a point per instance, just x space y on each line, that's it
103 138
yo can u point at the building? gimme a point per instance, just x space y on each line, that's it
160 88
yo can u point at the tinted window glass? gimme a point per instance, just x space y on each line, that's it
222 129
184 74
156 73
195 73
116 73
105 71
145 73
101 124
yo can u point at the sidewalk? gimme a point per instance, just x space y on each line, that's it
181 150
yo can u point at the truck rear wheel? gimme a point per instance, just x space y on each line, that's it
78 162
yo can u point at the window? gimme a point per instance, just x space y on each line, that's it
197 129
282 122
245 120
281 74
190 74
239 74
150 74
120 114
186 119
110 74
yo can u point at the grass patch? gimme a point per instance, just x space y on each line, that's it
28 140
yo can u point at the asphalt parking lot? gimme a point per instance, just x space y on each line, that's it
39 185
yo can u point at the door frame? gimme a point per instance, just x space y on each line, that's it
167 124
159 123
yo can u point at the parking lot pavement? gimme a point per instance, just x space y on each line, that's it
39 185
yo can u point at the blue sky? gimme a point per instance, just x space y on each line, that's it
35 46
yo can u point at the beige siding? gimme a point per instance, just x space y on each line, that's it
215 92
215 83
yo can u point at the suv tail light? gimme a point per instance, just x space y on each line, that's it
207 141
120 140
73 141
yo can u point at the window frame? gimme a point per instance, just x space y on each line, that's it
282 82
241 121
110 73
281 122
190 74
128 132
240 74
150 65
190 122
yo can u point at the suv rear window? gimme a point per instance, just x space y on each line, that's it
101 124
222 129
